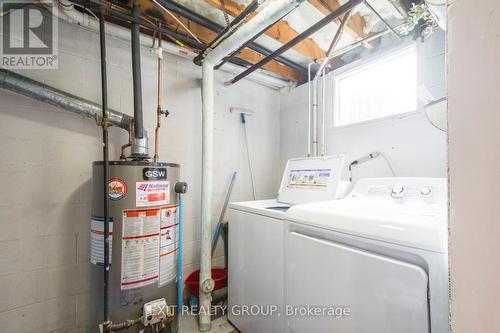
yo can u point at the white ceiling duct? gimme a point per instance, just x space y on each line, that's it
438 9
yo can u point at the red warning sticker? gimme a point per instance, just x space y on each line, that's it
140 248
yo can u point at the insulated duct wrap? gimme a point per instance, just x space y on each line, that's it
42 92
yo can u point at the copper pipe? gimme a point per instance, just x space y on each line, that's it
158 108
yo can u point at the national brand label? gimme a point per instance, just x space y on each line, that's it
152 193
154 173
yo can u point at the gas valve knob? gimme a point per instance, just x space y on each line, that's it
181 187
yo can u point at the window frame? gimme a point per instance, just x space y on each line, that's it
359 64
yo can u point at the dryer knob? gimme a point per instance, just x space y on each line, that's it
426 191
398 191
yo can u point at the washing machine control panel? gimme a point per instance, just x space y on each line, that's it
427 190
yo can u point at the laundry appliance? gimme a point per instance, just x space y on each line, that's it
256 243
380 254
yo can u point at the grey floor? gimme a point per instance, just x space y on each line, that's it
189 324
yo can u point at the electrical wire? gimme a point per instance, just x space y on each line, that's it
178 21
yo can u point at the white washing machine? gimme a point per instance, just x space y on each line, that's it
378 258
256 243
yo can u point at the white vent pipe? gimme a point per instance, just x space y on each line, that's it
271 13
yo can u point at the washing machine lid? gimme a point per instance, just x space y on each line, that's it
406 211
271 208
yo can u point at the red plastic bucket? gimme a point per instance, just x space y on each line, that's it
219 275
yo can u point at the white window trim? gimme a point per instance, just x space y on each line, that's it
366 62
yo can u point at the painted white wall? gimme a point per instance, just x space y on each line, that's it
474 160
45 170
413 145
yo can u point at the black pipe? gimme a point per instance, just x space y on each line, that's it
105 156
111 11
136 74
183 38
313 29
195 17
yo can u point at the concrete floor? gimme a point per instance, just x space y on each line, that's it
189 324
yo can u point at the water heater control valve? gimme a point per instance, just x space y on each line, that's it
155 312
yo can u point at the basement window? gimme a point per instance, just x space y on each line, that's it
382 88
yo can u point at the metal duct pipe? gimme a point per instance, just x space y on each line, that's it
136 74
270 14
139 149
42 92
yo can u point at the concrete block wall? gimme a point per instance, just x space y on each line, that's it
413 145
45 170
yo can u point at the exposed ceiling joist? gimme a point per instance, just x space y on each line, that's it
281 31
355 26
206 36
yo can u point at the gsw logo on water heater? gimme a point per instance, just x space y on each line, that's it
154 173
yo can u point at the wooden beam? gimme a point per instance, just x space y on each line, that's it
206 36
281 31
355 26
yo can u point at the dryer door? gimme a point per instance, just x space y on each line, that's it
383 295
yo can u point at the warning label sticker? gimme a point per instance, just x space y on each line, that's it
309 178
168 244
153 193
140 248
97 240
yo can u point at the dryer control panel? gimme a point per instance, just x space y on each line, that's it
424 190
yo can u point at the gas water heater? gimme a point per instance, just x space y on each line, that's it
143 233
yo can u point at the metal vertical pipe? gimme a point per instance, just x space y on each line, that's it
271 13
315 92
206 282
314 121
323 115
158 107
309 110
179 256
105 153
136 74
